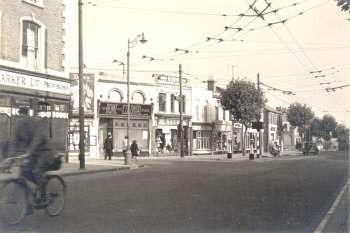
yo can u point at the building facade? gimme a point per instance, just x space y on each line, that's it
33 67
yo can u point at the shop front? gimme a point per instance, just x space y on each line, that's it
236 137
202 137
167 133
113 118
44 97
222 136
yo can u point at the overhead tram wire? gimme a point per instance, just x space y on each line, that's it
269 25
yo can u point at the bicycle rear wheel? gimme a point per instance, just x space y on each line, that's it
13 202
55 191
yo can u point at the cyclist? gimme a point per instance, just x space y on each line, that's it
32 139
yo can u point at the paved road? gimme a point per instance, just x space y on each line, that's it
268 195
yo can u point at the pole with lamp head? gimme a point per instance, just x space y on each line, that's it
131 44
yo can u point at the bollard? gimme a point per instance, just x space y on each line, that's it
229 155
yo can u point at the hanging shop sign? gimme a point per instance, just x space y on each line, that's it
121 109
31 82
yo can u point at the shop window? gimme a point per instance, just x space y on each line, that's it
162 102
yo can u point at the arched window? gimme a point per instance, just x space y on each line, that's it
115 96
138 97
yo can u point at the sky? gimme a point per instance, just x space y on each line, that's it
307 53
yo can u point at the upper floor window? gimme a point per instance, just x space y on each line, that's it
172 103
162 102
138 98
115 96
31 44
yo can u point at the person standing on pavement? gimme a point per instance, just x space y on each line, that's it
125 146
134 148
108 146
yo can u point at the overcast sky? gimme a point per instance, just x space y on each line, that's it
283 54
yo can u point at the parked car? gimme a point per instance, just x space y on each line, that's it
310 148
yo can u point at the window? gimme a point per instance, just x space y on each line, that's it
115 96
138 98
216 113
162 102
223 114
31 45
172 103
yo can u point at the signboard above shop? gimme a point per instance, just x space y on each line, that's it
13 79
168 81
121 109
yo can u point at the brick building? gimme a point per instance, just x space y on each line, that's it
33 67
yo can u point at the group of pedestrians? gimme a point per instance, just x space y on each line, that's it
108 147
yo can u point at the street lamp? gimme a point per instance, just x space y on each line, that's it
131 44
120 63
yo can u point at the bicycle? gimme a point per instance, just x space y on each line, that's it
17 194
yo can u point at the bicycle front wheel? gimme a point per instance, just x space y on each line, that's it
55 191
13 202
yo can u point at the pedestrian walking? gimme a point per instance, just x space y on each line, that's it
134 148
125 146
108 146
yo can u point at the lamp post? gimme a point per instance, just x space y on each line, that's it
131 44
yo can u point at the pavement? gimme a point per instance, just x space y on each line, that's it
97 165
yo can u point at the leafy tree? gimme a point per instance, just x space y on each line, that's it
299 116
342 134
244 101
328 126
344 5
316 128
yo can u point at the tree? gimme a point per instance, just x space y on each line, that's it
328 126
244 101
344 5
300 116
342 134
316 128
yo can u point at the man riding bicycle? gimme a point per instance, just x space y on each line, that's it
32 139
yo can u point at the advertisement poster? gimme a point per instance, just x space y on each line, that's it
89 87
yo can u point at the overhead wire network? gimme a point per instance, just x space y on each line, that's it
255 15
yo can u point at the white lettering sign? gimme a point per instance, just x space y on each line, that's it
31 82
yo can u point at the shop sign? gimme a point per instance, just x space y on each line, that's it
237 125
117 109
272 128
167 81
31 82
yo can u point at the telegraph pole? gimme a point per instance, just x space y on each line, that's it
81 89
259 130
181 131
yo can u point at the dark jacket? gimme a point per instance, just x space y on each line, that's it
108 144
134 148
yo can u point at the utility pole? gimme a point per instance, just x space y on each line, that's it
81 89
259 130
181 131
